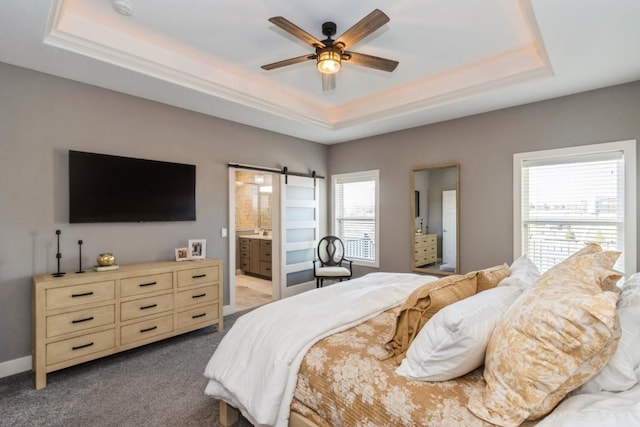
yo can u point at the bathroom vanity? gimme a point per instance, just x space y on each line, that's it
255 255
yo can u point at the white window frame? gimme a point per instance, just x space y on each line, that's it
630 221
371 175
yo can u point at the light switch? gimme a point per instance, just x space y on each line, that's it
223 232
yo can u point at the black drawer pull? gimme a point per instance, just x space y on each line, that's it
147 284
199 296
84 294
198 315
198 276
148 329
148 306
82 320
82 346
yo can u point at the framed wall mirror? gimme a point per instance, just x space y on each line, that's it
435 200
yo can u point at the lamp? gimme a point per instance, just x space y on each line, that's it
329 61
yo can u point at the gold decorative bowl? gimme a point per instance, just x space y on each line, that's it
105 260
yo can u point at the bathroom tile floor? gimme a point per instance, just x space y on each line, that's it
251 292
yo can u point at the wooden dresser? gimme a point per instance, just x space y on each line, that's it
425 249
81 317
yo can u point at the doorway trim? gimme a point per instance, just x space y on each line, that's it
231 235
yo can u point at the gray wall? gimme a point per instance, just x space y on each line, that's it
42 117
483 145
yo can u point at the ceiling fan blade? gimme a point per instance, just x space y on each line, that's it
370 61
296 31
363 28
289 61
328 81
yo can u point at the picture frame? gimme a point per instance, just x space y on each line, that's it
182 254
197 248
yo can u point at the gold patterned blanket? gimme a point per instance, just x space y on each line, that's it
342 382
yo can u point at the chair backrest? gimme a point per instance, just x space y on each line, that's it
330 251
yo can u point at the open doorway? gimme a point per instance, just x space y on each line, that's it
254 216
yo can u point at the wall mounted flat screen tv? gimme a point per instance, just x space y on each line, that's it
105 188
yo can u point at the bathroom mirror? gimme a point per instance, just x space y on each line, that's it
434 219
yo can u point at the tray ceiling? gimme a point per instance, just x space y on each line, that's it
457 58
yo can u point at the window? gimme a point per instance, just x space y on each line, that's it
567 197
355 215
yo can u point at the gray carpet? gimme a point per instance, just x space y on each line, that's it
160 384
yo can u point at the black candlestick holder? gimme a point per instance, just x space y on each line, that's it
58 256
80 270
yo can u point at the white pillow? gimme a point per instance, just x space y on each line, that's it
453 342
523 273
620 373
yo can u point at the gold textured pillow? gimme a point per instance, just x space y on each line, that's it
422 304
557 335
490 277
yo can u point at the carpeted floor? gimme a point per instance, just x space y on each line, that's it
160 384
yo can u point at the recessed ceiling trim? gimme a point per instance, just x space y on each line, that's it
62 31
493 73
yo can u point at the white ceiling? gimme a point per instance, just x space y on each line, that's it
457 57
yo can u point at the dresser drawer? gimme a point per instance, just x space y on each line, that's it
70 296
265 268
265 250
197 296
145 306
146 329
145 284
194 316
197 275
80 346
61 324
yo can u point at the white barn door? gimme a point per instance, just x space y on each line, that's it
299 230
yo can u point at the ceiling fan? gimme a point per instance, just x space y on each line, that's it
329 54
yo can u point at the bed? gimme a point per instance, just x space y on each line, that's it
343 354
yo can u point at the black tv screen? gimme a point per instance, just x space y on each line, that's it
104 188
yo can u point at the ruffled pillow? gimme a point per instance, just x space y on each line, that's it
454 341
523 273
620 373
558 334
490 277
422 304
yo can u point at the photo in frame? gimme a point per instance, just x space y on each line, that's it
197 248
182 254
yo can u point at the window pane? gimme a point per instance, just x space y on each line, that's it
355 214
568 202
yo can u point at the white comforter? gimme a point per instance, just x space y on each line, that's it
602 409
256 364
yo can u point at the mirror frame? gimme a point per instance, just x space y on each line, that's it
435 271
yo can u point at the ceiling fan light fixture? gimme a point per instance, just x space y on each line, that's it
329 61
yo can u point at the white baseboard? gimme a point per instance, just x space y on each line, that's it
15 366
228 309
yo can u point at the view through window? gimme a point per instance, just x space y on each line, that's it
572 197
355 215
